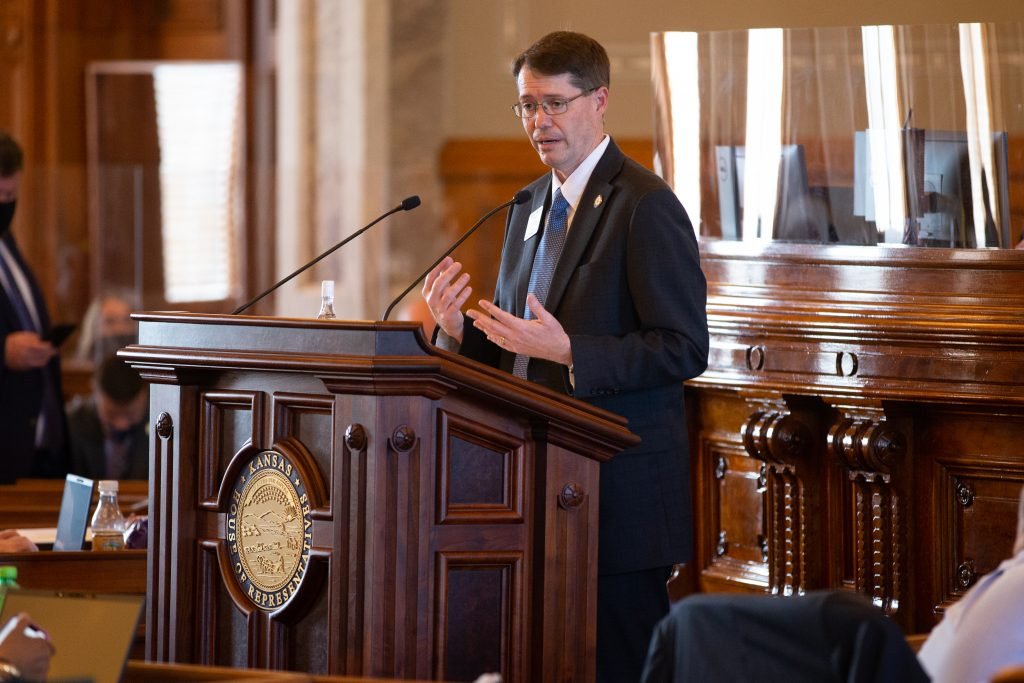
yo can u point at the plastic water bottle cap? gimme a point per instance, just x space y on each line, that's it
8 573
327 289
108 486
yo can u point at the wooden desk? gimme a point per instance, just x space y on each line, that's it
154 672
30 503
81 570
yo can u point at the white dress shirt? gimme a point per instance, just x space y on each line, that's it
981 633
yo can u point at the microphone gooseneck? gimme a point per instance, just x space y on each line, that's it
407 204
520 197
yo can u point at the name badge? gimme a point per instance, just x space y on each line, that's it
533 223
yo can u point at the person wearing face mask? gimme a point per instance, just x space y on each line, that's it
31 410
108 430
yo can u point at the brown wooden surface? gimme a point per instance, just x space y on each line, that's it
81 570
158 672
859 424
35 503
445 541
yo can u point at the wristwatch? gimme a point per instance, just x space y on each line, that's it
9 672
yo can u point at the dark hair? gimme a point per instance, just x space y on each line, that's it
118 380
11 156
566 52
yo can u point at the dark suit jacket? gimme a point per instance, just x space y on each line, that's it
88 455
629 292
820 637
21 396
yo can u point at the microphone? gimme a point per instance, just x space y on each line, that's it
521 197
408 204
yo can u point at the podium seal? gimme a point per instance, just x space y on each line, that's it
269 530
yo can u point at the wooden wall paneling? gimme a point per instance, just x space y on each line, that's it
970 499
731 551
46 49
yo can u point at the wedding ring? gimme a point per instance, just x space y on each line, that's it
501 341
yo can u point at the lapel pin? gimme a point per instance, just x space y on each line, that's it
598 200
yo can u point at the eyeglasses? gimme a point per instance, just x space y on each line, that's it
551 107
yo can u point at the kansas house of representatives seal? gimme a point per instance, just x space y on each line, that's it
269 531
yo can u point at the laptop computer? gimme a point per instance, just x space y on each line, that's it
92 634
74 513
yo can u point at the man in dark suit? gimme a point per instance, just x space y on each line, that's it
599 295
32 429
109 430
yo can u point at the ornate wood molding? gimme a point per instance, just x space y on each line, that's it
868 447
781 441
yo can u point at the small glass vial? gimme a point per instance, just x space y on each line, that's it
107 520
326 301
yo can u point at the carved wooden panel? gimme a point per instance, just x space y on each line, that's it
229 420
479 607
738 543
481 473
980 512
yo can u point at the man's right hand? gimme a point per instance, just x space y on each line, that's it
445 297
26 351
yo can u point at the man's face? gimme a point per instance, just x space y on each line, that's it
116 318
120 417
9 187
564 140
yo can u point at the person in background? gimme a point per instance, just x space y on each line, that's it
25 651
13 542
107 318
31 407
840 635
984 630
108 430
600 296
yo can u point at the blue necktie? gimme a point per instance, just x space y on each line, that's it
544 262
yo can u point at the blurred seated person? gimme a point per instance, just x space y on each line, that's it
823 636
13 542
25 651
109 433
840 636
108 318
984 631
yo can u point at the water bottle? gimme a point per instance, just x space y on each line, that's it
8 580
326 301
107 520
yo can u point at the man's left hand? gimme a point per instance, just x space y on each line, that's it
541 337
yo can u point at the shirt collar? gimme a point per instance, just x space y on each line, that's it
572 188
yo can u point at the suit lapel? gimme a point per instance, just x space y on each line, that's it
588 215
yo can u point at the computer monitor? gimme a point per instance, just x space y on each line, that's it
939 197
800 215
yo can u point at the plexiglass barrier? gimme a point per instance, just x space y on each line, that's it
897 135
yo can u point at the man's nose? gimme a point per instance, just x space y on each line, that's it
542 119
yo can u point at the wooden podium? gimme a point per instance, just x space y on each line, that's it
345 498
